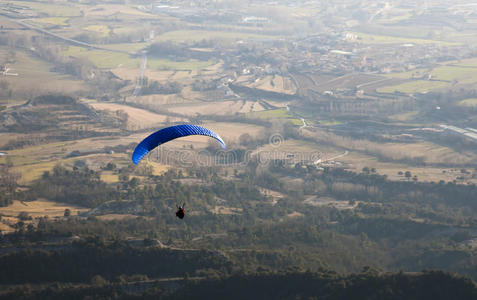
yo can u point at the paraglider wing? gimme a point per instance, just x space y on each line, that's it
167 134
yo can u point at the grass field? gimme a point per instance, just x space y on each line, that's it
357 161
112 9
61 21
455 73
395 18
275 83
417 86
471 102
34 76
137 117
192 64
417 73
129 47
101 29
464 72
384 39
40 208
275 114
207 108
425 151
102 58
32 161
404 117
180 36
472 62
52 10
109 177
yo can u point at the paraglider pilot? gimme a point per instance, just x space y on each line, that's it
180 213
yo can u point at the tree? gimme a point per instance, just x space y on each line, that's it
24 216
98 280
110 166
67 212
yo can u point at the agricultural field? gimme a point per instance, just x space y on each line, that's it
188 65
404 117
102 58
426 151
137 118
126 47
417 86
471 102
56 21
455 74
355 161
50 9
100 29
275 83
231 132
35 76
413 74
40 208
6 23
181 36
275 114
31 162
106 10
303 150
159 102
222 108
366 38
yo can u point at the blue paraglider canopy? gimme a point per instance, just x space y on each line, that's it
167 134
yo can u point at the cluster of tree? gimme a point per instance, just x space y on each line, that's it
203 85
8 184
41 114
368 284
155 87
370 187
80 186
377 232
83 260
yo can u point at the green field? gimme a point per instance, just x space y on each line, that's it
463 72
129 47
385 39
328 122
102 58
396 19
198 35
52 10
101 29
417 73
61 21
471 102
417 86
455 73
472 62
275 114
404 117
192 64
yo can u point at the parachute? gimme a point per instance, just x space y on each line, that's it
167 134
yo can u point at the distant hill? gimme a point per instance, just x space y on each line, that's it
428 285
433 285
